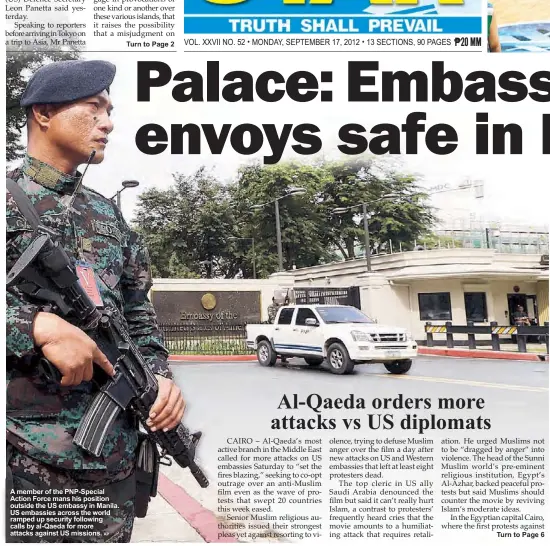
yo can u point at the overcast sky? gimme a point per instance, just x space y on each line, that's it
515 187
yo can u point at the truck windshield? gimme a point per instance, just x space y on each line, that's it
334 315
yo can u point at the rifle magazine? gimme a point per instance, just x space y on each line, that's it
96 424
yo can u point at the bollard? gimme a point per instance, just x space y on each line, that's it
450 342
522 344
546 336
495 339
471 337
429 337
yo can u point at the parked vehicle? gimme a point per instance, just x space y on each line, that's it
341 334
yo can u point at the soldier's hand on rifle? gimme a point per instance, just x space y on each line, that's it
68 348
167 411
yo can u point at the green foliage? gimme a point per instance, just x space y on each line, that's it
186 227
402 218
200 227
20 65
302 229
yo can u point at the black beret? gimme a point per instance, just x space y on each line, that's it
67 81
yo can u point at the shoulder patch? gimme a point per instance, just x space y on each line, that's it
107 229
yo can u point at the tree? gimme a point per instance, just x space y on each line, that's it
20 65
197 226
402 218
187 226
301 221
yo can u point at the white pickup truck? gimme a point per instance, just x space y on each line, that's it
341 334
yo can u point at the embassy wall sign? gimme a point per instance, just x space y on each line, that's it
213 307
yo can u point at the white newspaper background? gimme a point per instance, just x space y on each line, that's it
295 454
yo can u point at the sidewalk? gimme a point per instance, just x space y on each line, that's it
539 348
163 524
181 511
534 353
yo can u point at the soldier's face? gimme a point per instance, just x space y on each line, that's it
80 127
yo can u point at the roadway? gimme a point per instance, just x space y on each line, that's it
240 399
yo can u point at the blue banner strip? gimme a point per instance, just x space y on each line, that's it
267 7
332 25
335 8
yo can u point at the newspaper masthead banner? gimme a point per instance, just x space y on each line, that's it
338 25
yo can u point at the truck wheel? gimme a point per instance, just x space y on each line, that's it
265 354
338 359
312 361
398 366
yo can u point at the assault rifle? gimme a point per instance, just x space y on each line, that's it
44 274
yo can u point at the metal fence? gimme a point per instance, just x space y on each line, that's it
520 335
207 339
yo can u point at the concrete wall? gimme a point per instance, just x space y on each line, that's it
398 304
386 303
496 294
348 273
265 286
389 303
395 302
453 286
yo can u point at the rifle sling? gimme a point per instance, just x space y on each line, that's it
23 203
